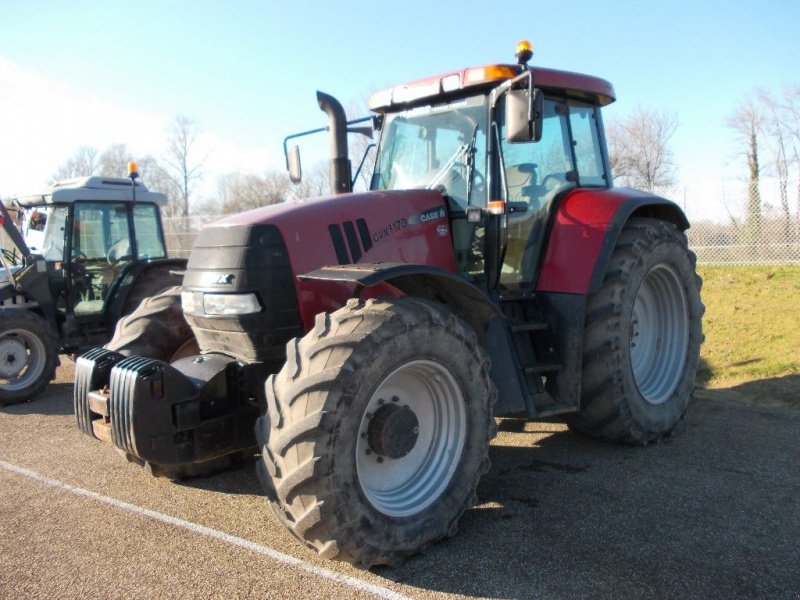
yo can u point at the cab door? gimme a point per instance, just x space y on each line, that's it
537 174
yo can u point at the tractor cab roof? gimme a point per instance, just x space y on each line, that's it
92 189
443 87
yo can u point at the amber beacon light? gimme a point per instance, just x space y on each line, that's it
524 52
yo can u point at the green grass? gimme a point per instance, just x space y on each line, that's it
752 329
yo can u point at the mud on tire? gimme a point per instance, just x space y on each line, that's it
642 337
377 430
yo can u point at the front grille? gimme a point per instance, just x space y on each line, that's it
245 259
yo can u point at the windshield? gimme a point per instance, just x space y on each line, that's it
440 147
43 230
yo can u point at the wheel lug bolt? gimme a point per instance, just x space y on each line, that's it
380 459
380 400
367 451
395 399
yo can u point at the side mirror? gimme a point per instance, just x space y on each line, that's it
524 115
293 163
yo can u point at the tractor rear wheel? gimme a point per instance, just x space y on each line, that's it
642 337
28 355
377 430
149 283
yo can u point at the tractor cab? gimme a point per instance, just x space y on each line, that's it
89 231
501 143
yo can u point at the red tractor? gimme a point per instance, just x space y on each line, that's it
365 342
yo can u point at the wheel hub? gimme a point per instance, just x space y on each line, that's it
393 431
13 357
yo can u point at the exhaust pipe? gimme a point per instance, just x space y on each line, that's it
339 163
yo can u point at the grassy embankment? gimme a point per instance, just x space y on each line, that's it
752 328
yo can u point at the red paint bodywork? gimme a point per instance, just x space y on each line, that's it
573 84
577 235
304 226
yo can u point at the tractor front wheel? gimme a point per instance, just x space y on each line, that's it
377 430
156 329
28 355
642 337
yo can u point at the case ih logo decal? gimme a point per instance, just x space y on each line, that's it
434 214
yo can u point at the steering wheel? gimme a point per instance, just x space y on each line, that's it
119 250
77 254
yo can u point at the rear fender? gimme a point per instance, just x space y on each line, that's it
585 230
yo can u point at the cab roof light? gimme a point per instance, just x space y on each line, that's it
133 170
524 52
489 73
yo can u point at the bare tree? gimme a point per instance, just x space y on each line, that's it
748 124
181 162
789 109
82 163
157 179
778 142
238 192
639 149
316 182
114 161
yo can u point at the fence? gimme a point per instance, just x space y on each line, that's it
734 223
180 233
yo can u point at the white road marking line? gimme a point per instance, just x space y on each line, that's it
358 584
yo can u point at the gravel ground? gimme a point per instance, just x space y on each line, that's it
713 512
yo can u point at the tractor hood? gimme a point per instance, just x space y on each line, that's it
410 226
265 250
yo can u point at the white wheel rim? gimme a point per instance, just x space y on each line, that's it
22 358
659 338
404 486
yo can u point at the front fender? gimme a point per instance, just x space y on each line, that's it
585 230
421 281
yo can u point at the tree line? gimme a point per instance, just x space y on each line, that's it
178 170
766 126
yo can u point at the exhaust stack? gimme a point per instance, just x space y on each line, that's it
339 173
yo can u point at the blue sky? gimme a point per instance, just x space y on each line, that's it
247 71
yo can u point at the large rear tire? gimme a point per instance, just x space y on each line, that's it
642 337
28 355
377 430
150 283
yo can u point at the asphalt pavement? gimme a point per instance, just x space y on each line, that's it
713 512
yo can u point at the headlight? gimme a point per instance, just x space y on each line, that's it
192 302
201 304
